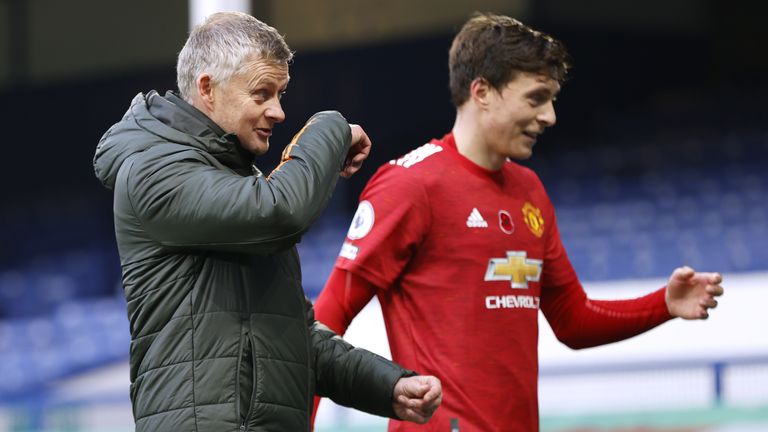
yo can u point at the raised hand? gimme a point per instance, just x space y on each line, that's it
359 150
690 295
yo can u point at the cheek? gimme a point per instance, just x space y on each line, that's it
251 113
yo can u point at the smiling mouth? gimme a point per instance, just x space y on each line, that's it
531 135
264 132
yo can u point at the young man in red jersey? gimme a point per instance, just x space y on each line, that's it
461 246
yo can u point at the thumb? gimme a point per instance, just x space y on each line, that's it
683 274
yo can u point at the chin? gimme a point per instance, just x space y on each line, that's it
525 156
258 148
521 155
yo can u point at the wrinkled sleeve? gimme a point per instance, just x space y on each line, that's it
580 322
352 377
184 201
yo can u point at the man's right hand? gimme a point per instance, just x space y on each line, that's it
359 150
416 398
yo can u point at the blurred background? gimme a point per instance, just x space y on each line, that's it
659 159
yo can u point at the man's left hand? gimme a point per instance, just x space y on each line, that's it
690 295
416 398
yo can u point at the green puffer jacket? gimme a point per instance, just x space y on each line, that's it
222 337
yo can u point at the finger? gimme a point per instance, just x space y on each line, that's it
359 137
709 303
416 405
357 156
365 146
715 290
416 389
428 408
350 169
357 133
413 416
683 273
409 391
432 394
409 401
363 142
357 161
709 278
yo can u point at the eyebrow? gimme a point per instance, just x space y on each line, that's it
546 90
540 89
268 79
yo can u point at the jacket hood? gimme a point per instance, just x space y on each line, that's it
153 120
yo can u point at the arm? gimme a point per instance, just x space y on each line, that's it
185 200
343 297
357 378
345 294
581 322
379 254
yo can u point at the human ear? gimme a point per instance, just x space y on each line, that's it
205 89
479 90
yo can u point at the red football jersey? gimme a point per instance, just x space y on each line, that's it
460 255
462 259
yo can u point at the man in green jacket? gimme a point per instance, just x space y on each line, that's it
222 336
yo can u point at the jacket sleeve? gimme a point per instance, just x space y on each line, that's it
352 377
183 200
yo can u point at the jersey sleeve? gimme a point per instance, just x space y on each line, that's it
581 322
391 221
343 297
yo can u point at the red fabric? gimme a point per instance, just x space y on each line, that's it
343 297
446 245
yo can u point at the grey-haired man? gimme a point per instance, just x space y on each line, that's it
223 338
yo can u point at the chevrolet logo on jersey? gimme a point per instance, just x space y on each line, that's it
515 268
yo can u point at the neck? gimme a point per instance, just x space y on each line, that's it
471 143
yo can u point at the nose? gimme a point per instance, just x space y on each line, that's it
547 116
275 112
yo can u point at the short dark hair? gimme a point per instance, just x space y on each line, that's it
497 47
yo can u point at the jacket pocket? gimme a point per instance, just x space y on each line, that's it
246 376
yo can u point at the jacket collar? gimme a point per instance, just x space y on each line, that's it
201 131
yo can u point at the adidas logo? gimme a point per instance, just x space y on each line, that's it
475 220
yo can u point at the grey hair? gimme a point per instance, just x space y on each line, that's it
221 45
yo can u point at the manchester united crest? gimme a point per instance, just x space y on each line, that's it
533 219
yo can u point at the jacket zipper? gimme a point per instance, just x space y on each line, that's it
254 378
240 352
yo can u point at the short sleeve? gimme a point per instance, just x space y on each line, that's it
390 223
